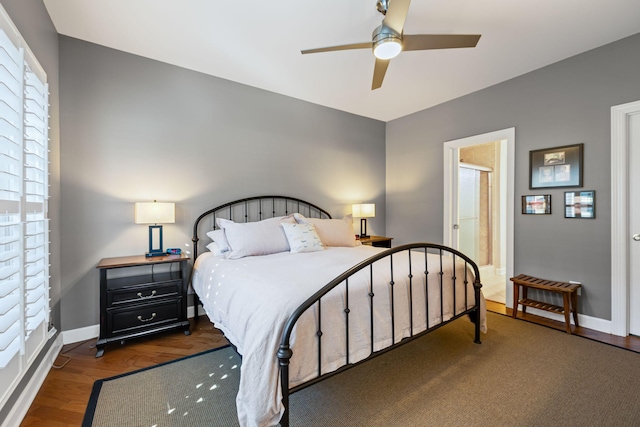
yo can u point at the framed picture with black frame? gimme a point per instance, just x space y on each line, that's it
556 167
536 205
580 204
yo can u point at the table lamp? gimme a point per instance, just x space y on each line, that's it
363 211
155 213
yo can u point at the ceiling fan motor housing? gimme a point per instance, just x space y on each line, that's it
387 43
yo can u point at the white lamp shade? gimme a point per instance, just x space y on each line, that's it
155 213
364 210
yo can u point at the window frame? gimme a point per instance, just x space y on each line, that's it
24 218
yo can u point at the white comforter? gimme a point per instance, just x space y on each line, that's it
250 299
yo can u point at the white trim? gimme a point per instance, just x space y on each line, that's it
89 332
450 150
191 312
27 396
594 323
81 334
619 217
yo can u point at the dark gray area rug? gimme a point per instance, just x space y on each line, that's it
198 390
521 375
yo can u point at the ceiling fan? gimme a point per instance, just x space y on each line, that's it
388 39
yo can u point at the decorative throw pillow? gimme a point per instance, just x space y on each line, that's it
302 238
220 239
215 250
255 238
332 232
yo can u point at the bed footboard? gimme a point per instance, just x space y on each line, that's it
427 271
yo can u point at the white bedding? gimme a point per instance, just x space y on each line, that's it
251 298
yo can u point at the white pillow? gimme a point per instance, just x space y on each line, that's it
220 239
255 238
214 248
302 238
332 232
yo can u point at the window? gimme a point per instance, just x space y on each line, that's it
24 224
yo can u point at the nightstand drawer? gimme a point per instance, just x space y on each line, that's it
135 294
140 317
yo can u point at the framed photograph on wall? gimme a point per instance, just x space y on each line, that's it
536 205
580 204
556 167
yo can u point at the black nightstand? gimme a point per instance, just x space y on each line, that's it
377 241
151 299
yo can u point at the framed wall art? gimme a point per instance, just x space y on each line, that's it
580 204
536 205
556 167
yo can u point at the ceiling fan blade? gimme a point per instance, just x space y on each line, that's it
379 71
365 45
396 15
439 41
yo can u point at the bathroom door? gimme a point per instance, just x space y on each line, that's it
469 212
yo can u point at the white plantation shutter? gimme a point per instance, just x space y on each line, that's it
10 189
24 226
36 236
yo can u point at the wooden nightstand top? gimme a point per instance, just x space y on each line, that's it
380 241
132 260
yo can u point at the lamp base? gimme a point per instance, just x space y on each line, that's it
153 254
155 241
363 228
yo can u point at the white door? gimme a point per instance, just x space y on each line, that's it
625 209
634 223
468 213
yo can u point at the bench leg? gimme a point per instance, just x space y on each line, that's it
516 291
567 311
525 295
574 307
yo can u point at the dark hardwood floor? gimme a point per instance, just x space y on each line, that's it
63 397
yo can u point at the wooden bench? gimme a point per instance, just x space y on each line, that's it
569 293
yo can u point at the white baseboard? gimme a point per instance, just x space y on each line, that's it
588 322
191 311
28 395
89 332
81 334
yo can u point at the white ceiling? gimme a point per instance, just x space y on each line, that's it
258 43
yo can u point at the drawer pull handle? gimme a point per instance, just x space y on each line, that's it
153 293
153 315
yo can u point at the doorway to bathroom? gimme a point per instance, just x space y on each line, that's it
479 206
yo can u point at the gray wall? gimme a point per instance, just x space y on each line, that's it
565 103
32 20
135 129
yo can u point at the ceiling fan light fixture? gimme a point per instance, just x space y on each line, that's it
387 48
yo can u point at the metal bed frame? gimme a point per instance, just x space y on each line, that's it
252 208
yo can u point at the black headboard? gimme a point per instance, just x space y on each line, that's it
253 209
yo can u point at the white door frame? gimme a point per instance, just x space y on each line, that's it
619 217
508 136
